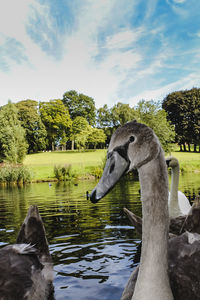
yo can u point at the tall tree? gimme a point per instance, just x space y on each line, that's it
80 105
151 113
104 117
105 121
56 119
13 146
122 113
96 137
31 121
183 110
79 132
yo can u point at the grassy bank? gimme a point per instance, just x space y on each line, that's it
85 164
189 161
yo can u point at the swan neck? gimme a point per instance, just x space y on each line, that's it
153 281
174 183
174 209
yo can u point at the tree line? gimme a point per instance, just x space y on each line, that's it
73 122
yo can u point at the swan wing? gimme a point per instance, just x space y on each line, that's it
183 203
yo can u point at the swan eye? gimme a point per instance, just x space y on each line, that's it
131 139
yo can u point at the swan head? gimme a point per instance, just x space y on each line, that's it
172 162
131 146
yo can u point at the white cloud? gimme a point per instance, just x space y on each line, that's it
102 56
179 1
190 81
123 39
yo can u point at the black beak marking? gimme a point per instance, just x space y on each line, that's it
168 162
92 197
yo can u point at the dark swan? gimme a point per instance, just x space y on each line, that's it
169 269
26 271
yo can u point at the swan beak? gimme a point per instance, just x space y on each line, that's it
115 167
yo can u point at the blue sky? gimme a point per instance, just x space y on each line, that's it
110 50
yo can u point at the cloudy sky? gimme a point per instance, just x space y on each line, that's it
110 50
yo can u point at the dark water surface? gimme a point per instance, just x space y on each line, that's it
92 245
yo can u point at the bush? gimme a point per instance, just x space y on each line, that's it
14 174
97 172
64 172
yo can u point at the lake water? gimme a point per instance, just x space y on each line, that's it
92 245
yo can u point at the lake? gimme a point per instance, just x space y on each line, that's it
92 245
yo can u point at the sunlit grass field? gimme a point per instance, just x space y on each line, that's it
42 164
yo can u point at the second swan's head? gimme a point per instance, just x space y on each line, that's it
172 162
131 146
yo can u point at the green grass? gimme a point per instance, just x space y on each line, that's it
42 164
189 161
85 164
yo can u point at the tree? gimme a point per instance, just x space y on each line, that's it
121 114
31 121
79 132
95 137
104 117
80 105
105 121
183 110
56 119
13 146
151 114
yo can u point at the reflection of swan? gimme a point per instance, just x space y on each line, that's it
135 145
25 267
178 202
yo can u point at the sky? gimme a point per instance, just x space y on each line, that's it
111 50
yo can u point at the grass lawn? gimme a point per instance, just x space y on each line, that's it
42 164
189 161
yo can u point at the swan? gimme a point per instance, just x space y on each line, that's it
135 145
178 203
179 206
25 267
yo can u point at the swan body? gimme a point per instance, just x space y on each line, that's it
26 271
179 205
135 145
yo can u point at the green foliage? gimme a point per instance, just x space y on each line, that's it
183 110
80 130
150 113
56 119
96 136
96 172
13 146
63 172
32 123
14 174
104 117
110 119
80 105
121 114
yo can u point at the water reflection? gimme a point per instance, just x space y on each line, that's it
92 245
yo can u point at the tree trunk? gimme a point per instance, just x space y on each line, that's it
72 144
181 147
52 146
189 147
195 148
184 147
